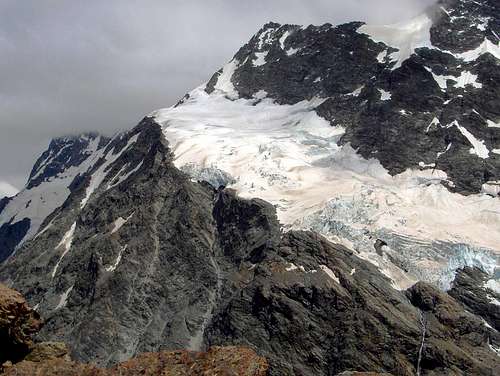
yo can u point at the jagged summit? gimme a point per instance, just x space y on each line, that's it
441 76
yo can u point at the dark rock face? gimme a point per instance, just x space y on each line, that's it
313 308
421 121
62 153
469 289
157 262
18 323
10 236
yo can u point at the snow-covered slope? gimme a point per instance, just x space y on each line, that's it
70 166
288 155
331 159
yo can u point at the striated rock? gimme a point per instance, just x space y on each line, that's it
452 339
230 361
18 324
469 289
313 308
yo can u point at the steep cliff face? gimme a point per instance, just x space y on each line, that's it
479 293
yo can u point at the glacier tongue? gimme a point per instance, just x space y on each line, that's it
288 155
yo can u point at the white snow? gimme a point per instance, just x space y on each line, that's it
283 39
465 78
478 147
224 83
405 36
118 224
445 151
493 285
496 151
485 47
289 156
292 51
121 177
381 56
426 165
491 188
101 173
356 92
261 94
113 267
329 272
265 38
260 58
384 95
492 124
65 245
292 267
7 190
435 122
64 298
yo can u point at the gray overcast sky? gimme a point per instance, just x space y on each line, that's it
71 66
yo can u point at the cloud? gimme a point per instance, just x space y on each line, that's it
7 190
69 66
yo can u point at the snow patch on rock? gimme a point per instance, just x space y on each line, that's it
406 36
65 245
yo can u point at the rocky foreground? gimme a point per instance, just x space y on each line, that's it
19 355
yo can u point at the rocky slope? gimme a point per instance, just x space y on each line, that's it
479 293
20 356
151 241
18 323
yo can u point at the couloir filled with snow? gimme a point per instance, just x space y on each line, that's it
288 155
